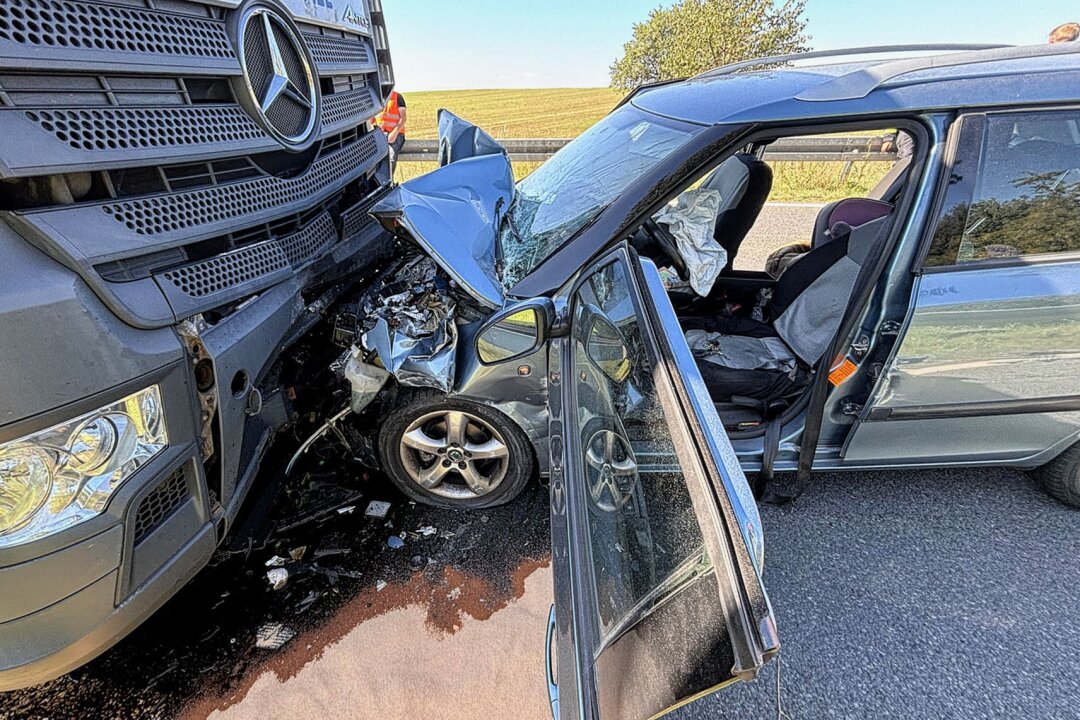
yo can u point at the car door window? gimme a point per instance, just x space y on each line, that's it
642 526
1014 192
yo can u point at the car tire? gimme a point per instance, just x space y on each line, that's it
1061 477
425 417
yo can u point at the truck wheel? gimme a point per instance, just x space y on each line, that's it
1061 476
452 453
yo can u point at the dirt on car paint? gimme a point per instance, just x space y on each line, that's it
199 653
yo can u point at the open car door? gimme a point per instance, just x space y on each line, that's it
657 544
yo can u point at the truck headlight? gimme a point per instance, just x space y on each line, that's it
66 474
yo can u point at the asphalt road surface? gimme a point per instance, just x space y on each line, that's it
898 594
919 595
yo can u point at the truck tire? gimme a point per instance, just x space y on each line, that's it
1061 477
452 453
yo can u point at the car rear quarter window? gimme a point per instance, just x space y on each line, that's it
1014 190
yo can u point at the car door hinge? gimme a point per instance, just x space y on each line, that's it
851 408
889 327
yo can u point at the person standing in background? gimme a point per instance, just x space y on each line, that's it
392 122
1067 32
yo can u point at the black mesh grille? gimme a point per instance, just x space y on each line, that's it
257 61
127 128
225 271
306 244
254 261
168 213
288 117
97 26
294 67
332 51
340 107
162 501
355 218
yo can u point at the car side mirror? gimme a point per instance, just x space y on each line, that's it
515 331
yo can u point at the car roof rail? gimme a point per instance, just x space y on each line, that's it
843 52
860 83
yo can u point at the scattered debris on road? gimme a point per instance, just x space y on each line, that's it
278 578
273 636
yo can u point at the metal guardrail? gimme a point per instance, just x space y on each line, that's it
806 149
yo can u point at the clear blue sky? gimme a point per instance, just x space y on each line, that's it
451 44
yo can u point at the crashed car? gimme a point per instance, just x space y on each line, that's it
588 324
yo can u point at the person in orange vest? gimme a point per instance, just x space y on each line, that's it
392 122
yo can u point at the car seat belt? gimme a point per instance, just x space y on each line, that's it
768 457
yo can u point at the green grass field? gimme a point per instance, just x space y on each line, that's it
567 112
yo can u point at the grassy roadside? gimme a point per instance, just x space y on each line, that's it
567 112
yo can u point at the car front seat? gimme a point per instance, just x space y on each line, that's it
744 183
768 360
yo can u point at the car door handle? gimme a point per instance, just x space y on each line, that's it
549 666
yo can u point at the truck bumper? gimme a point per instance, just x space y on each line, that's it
61 609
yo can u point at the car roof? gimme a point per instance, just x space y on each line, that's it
1003 76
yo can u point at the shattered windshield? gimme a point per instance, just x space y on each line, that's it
568 191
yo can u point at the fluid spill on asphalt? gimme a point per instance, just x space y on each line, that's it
198 654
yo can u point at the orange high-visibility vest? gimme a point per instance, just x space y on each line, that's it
390 117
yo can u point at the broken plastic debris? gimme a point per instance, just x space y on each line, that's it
273 636
278 578
395 542
417 561
351 574
365 379
426 531
447 534
298 553
380 585
484 518
347 510
276 561
308 601
377 509
327 552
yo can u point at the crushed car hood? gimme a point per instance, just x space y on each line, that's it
454 212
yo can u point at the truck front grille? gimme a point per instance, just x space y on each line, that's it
101 26
127 150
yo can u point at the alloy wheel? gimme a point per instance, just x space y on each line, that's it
454 454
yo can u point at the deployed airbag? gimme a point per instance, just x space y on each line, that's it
690 221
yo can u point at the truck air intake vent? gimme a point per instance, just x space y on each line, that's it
228 270
95 26
122 129
336 51
169 213
157 506
340 107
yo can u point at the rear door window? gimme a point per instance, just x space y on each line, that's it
1014 190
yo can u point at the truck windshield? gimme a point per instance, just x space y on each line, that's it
573 187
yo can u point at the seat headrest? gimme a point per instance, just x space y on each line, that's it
850 212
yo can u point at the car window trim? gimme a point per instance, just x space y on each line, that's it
953 142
